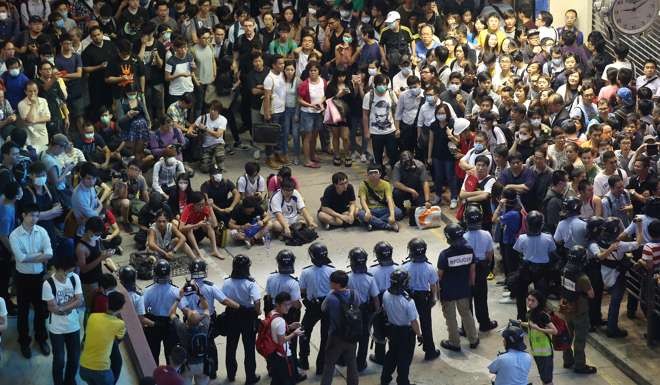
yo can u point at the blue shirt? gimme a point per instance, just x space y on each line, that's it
7 218
244 291
364 286
277 283
159 298
401 310
381 275
422 275
535 249
571 231
15 88
332 308
511 368
481 243
316 281
511 222
84 203
210 292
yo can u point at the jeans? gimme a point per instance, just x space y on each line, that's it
70 341
387 143
200 93
380 217
444 175
616 296
310 121
290 127
97 377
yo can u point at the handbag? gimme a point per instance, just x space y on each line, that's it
266 133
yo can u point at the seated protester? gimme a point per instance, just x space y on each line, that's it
110 238
134 122
7 116
130 194
338 203
251 183
286 206
178 111
518 177
167 135
617 203
477 189
378 209
283 334
93 146
179 194
109 130
89 257
222 194
468 161
212 127
611 167
410 183
37 192
249 222
165 239
147 216
274 181
165 171
34 112
197 222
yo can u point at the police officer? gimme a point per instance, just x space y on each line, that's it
571 231
512 367
128 278
424 291
314 286
280 281
484 249
242 288
381 272
404 326
535 247
366 290
456 273
158 300
576 290
212 293
592 269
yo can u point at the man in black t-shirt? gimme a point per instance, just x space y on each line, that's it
125 72
223 193
95 60
249 222
338 203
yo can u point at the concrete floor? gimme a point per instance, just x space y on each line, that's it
452 368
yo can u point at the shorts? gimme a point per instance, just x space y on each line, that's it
199 234
310 122
134 206
545 366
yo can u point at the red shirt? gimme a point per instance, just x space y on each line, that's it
99 302
191 216
167 375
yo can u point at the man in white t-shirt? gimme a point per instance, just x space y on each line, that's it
251 183
610 162
273 110
62 293
280 361
378 108
213 126
179 71
286 206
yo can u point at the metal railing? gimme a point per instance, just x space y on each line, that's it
643 285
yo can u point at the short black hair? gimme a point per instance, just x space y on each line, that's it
558 176
483 159
252 168
282 297
107 281
288 184
64 261
196 197
339 177
613 180
29 208
94 225
654 229
88 168
116 301
8 145
339 277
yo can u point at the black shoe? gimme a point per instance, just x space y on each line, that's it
26 351
301 378
252 380
475 344
461 332
361 366
303 363
231 378
319 371
447 345
618 333
487 327
586 370
430 356
568 366
44 347
375 360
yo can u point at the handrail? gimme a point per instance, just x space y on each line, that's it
643 285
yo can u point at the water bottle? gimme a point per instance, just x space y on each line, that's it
267 240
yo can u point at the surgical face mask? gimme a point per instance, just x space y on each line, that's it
312 11
478 147
535 122
365 19
171 161
89 135
59 23
131 96
406 71
453 88
14 72
69 275
556 62
105 119
3 15
391 25
347 39
430 99
183 186
95 238
416 91
64 14
373 71
345 14
381 89
441 117
40 181
217 178
167 36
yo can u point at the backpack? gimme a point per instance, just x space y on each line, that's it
144 263
350 329
53 289
562 340
265 344
300 235
198 345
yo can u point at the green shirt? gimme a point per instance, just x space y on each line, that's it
379 194
284 49
540 343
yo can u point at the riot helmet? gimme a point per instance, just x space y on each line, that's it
534 223
318 253
383 251
197 269
285 261
399 282
473 217
162 271
240 267
358 257
417 249
128 277
454 233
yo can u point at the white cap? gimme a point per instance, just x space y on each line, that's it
460 125
393 16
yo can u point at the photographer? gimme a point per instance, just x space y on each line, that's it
512 367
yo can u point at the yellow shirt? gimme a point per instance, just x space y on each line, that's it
102 330
381 192
481 39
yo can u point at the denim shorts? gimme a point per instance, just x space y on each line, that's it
310 121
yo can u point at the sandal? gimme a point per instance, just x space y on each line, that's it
348 162
336 161
312 165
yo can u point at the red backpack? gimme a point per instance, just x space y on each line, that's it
264 343
562 340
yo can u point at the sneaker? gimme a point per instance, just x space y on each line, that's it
453 204
491 276
447 345
506 294
586 370
248 244
326 226
363 158
370 227
507 300
395 227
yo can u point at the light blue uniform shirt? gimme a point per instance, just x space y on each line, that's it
138 302
535 249
277 283
631 230
572 231
159 297
316 281
210 292
400 310
481 243
381 275
511 368
364 286
422 275
244 291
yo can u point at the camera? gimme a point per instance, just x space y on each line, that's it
515 322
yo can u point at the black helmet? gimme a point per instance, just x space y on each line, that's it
417 249
577 256
594 228
454 233
383 251
197 269
534 223
240 267
162 271
473 217
285 260
128 277
358 258
399 280
514 337
652 207
318 253
571 207
610 230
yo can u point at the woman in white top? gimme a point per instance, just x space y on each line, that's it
291 111
35 113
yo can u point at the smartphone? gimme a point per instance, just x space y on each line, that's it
652 149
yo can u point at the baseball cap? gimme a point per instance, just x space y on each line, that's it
393 16
626 96
532 32
60 140
460 125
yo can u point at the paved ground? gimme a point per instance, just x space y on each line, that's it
451 368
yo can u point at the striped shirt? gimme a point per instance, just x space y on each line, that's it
651 254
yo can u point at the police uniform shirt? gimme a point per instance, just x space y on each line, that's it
631 230
422 275
278 283
455 262
138 302
244 291
315 281
535 249
381 275
511 368
572 231
364 286
481 242
210 292
401 310
159 297
609 274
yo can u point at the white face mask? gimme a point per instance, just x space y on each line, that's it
3 15
373 71
89 135
441 117
171 161
453 88
40 181
366 19
183 186
14 72
217 178
535 122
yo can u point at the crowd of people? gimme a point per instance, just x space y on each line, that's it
544 143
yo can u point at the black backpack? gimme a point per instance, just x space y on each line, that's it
351 319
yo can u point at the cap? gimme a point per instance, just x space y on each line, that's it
36 19
60 140
393 16
626 96
460 125
532 31
649 138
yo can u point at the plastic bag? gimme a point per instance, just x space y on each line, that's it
331 115
428 218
